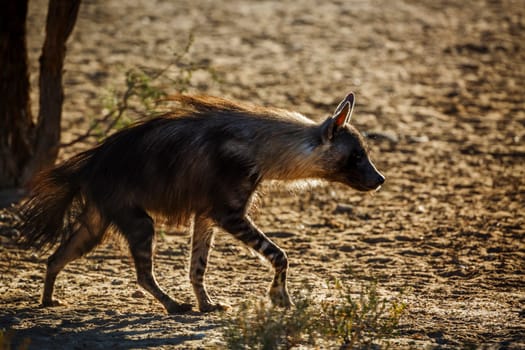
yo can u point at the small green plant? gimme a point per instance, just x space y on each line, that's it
145 87
339 318
258 325
358 321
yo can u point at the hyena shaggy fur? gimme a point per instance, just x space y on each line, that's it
202 161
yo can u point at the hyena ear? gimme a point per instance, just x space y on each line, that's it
341 116
343 112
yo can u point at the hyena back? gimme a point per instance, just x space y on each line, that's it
201 162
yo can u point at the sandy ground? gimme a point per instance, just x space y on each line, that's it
440 85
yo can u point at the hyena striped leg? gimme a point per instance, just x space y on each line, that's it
242 228
137 226
87 236
202 240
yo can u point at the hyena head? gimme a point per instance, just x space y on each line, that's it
345 153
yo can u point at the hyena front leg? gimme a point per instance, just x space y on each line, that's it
88 234
201 242
242 228
137 226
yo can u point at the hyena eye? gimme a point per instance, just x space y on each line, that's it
357 156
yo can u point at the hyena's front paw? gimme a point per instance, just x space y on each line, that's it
280 297
210 307
177 308
51 303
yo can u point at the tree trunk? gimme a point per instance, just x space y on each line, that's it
61 18
16 124
24 147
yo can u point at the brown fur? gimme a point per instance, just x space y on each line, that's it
202 160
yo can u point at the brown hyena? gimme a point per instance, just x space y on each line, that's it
202 162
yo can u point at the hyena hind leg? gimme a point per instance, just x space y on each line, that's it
201 242
137 226
87 236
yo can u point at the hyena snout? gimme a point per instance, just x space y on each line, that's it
365 177
373 179
377 180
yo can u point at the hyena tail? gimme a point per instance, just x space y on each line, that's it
55 201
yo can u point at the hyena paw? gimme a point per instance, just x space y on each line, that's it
210 307
51 303
280 297
178 308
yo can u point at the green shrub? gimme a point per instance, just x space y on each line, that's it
258 325
339 318
358 321
145 87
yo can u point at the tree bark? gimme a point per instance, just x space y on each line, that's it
26 148
61 18
16 124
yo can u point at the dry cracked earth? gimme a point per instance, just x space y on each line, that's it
441 96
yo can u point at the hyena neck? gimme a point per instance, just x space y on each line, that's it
292 156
